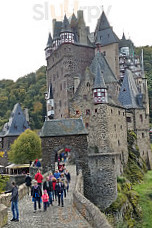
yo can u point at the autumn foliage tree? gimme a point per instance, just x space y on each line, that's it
25 148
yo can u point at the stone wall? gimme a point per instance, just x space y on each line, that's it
140 125
3 215
87 209
112 56
100 183
63 65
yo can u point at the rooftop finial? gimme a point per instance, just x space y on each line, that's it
102 8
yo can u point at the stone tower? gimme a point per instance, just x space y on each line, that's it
109 43
68 59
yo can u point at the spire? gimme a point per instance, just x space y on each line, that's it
103 22
105 32
99 80
65 24
123 36
49 43
73 21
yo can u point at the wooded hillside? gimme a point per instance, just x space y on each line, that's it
29 92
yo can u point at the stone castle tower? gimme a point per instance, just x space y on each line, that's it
97 77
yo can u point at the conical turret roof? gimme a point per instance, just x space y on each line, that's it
128 92
99 82
103 22
49 43
65 25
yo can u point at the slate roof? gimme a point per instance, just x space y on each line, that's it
63 127
57 29
104 32
125 43
128 92
99 80
17 123
100 60
65 25
103 22
49 43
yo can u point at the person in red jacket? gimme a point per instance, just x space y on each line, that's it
54 194
39 178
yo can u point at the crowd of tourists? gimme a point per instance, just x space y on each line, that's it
53 188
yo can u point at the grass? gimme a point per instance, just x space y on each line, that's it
145 201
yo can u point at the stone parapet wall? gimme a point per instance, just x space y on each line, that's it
87 209
3 215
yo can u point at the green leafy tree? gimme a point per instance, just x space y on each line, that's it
25 148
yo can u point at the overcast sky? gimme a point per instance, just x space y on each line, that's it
25 24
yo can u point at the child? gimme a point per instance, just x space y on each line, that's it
45 199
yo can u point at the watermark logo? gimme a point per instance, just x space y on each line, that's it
47 11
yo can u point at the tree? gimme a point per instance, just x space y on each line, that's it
25 148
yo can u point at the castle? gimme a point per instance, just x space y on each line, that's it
97 77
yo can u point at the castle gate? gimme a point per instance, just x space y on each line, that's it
60 134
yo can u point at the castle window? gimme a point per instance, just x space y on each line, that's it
121 127
141 117
118 143
128 119
55 105
111 111
87 111
61 87
53 77
77 112
86 125
123 113
143 135
88 84
104 53
108 35
60 103
96 110
119 113
115 127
